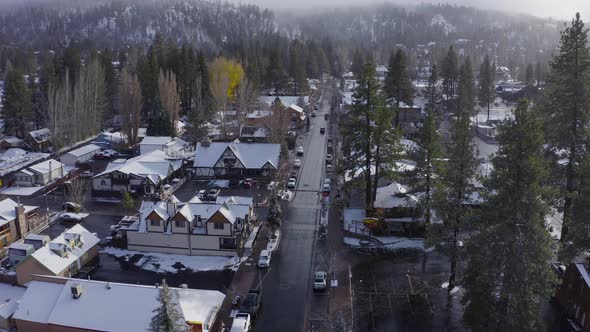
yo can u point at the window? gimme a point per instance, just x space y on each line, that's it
154 222
179 223
103 182
227 243
198 221
217 225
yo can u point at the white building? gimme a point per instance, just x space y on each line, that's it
236 159
63 304
80 155
192 228
145 174
39 174
172 146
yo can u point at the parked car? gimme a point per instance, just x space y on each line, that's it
71 217
326 189
323 232
329 159
300 151
252 302
297 163
313 114
328 168
327 181
86 174
234 183
315 107
212 194
322 130
202 194
241 323
293 175
247 183
264 260
71 207
326 117
320 281
292 183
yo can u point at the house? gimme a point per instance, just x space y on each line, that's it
267 101
257 118
39 174
146 174
574 297
64 256
53 304
38 140
236 159
108 140
399 209
15 159
16 220
172 146
254 134
8 142
191 228
80 155
297 116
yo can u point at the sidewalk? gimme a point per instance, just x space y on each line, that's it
244 279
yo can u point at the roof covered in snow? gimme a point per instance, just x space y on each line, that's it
55 262
123 307
9 297
86 149
251 155
7 212
156 165
394 195
46 166
40 135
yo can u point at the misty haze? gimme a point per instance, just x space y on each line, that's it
256 165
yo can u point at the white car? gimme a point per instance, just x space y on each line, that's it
291 183
264 260
201 194
71 217
300 151
320 281
241 323
297 163
329 159
328 168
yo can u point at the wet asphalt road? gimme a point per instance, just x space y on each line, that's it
286 287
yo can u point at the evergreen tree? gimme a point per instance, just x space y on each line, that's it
203 78
487 92
398 84
449 74
275 213
539 74
358 61
297 68
159 124
429 150
16 103
276 77
566 110
529 76
455 187
508 271
106 60
579 239
167 318
148 73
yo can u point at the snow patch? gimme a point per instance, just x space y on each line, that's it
158 262
439 20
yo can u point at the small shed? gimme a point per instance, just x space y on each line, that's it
80 155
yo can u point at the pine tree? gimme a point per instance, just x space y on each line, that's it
16 103
450 74
429 150
148 72
276 77
275 213
357 65
398 84
508 273
167 318
579 239
455 186
539 74
159 124
106 60
566 110
529 76
486 84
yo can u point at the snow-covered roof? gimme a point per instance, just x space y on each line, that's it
86 149
242 200
40 135
7 212
9 297
156 140
13 159
122 307
46 166
296 108
56 263
285 100
394 195
251 155
154 165
258 114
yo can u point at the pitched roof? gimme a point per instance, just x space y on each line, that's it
56 263
296 108
44 166
251 155
40 135
154 165
394 195
123 307
7 212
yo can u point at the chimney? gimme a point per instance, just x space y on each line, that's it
22 227
108 285
206 142
76 290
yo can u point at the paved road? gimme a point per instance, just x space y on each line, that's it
287 286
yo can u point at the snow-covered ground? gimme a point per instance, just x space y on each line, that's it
9 297
172 263
219 183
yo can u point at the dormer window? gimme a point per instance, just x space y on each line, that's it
154 222
198 221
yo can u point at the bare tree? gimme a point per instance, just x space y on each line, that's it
246 95
76 192
277 123
169 96
131 105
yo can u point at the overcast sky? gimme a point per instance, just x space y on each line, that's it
560 9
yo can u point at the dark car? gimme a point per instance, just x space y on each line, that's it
326 117
212 194
71 207
252 302
322 130
233 183
247 183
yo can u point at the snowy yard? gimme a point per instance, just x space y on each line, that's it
158 262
